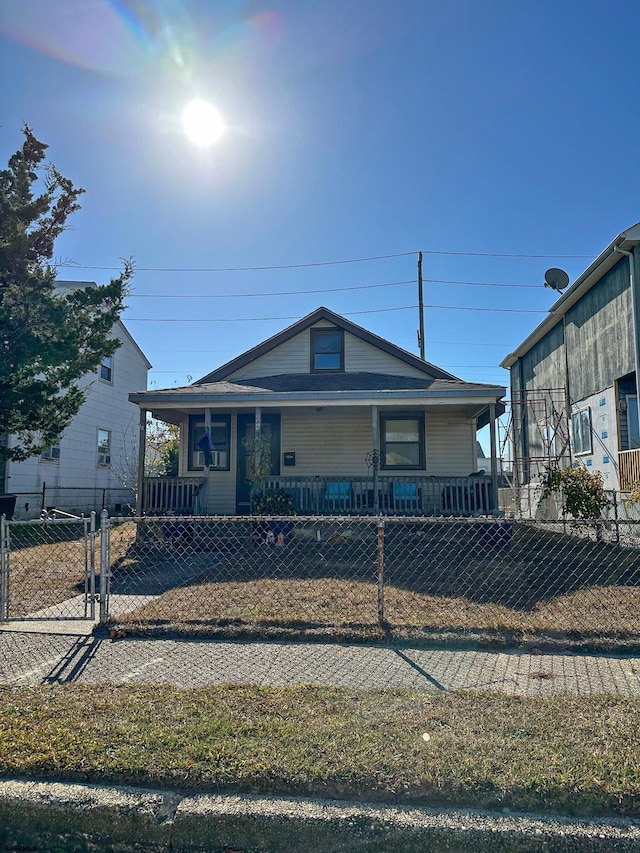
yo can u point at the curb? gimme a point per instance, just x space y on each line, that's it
54 816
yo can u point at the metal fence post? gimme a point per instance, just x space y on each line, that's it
104 565
4 569
381 527
92 564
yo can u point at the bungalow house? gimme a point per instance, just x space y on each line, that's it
574 384
340 419
93 464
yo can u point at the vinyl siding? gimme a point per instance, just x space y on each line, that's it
293 357
106 407
331 442
450 446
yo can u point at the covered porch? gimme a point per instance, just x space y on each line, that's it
414 496
331 460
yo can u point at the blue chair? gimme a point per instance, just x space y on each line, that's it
338 495
405 496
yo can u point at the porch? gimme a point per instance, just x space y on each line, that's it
384 494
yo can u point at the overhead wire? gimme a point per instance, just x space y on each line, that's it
330 289
72 265
345 314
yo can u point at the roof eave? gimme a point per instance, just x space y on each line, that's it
605 261
489 392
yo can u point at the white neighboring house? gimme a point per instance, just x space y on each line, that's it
94 464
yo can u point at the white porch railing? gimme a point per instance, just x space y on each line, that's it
170 494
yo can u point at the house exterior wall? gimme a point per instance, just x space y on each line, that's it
318 440
451 445
293 357
604 435
598 334
75 481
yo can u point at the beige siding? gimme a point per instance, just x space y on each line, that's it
329 442
290 357
361 357
293 357
450 446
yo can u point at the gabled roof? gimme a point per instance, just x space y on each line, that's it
605 261
306 322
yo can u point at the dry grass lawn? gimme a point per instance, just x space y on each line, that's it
568 754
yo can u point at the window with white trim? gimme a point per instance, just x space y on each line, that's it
106 369
51 453
104 447
581 431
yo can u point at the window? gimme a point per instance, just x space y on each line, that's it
402 441
104 447
327 350
52 453
106 369
581 429
219 445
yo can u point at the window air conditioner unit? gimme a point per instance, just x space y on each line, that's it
216 459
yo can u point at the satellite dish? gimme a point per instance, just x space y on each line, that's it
556 279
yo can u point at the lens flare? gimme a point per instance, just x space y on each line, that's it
202 123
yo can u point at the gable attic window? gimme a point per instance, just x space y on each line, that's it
327 351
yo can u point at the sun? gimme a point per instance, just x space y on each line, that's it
202 123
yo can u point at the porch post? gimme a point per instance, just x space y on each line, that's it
257 449
494 467
207 429
376 457
142 446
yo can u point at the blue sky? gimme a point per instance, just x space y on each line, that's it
355 128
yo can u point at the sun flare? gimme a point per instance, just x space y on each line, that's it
202 123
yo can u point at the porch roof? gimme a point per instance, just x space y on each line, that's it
343 389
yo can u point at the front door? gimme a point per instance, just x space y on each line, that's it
246 434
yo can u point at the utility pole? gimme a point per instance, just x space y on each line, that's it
420 308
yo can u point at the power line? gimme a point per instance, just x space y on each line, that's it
346 314
330 289
399 343
70 265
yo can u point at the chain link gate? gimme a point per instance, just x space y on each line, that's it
48 569
348 578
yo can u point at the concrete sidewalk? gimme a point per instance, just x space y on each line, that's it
29 658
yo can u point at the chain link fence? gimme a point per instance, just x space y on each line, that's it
350 579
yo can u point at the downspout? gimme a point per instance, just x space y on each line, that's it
567 390
634 315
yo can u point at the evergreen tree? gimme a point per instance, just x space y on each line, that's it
48 340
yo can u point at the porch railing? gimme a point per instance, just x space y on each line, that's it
628 468
389 495
170 494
